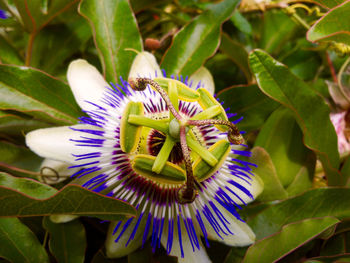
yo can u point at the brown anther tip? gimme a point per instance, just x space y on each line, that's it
186 195
235 139
152 44
137 84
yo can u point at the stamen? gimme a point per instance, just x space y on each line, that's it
233 133
140 84
187 193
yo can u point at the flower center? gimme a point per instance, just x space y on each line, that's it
199 162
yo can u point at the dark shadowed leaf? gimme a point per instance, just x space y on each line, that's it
37 94
8 54
277 29
198 40
249 102
289 238
334 26
58 43
313 203
115 29
67 240
309 109
236 52
16 123
346 171
330 259
36 14
19 160
19 244
17 200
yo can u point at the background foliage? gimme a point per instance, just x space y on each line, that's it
280 64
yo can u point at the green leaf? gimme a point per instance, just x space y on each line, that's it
28 187
35 14
17 124
19 160
273 189
309 109
198 40
330 259
8 53
334 26
249 102
313 203
58 43
236 52
329 3
19 201
291 237
345 170
241 23
37 94
115 29
67 240
277 29
19 244
281 137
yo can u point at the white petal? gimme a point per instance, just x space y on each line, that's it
86 82
204 77
118 249
243 235
255 187
54 172
144 65
190 256
55 143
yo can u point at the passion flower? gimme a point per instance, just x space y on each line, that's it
164 145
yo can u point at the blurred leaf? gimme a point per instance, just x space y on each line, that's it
311 204
115 29
19 244
82 202
8 53
139 5
236 52
334 26
241 23
197 41
330 259
249 102
302 62
282 139
273 189
346 171
336 245
37 94
37 13
15 123
100 257
67 240
142 255
277 29
309 109
59 42
291 237
235 255
328 3
19 160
